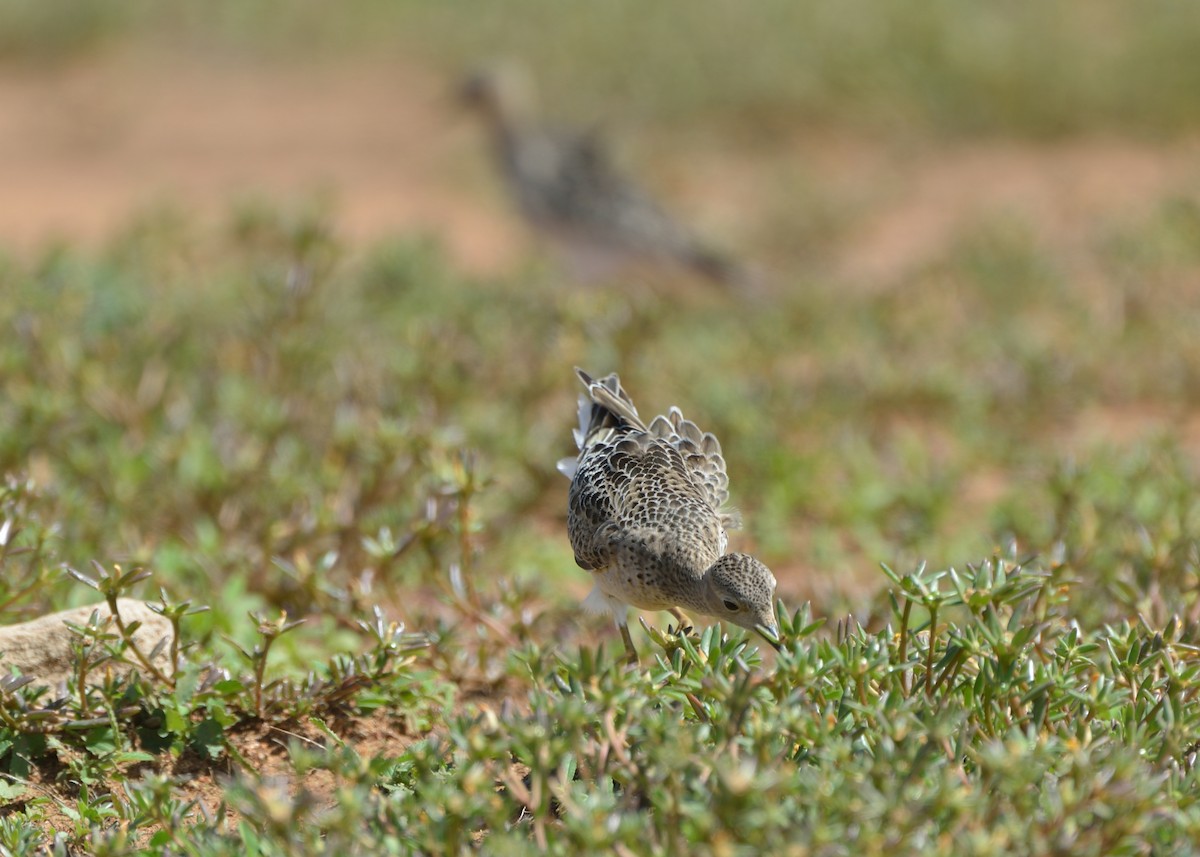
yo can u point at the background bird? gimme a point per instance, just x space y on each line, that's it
646 515
568 189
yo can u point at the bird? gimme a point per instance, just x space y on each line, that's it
570 192
647 516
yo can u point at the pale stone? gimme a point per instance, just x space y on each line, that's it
41 648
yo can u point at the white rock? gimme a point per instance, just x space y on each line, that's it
41 648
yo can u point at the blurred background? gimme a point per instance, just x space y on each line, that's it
847 136
275 317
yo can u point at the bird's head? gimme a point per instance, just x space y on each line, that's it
500 91
741 590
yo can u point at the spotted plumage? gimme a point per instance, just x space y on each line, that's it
646 515
569 191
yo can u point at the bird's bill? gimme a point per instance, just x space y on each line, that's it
770 633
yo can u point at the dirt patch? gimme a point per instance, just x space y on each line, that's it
82 148
1063 192
264 748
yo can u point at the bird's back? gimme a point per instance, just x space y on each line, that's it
653 492
568 187
566 183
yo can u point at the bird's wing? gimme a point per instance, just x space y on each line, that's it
638 489
597 502
701 455
591 524
595 193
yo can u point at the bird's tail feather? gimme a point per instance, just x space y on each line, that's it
605 408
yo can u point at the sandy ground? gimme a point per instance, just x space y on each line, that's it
84 148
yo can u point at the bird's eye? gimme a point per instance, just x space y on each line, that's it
731 605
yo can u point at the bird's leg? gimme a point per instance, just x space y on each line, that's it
685 624
631 655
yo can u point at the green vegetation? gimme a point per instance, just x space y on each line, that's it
259 420
334 465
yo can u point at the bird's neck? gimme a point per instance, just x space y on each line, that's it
698 598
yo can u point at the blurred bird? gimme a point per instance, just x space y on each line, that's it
567 188
645 515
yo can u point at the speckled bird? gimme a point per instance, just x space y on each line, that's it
647 517
568 190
